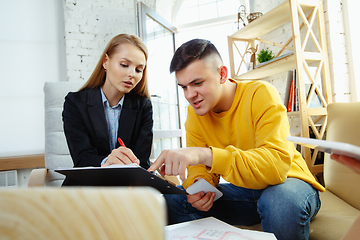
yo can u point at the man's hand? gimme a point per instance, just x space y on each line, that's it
121 155
175 161
201 201
351 163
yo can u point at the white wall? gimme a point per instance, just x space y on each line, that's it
338 50
30 46
350 9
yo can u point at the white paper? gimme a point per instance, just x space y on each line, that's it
330 147
212 229
131 165
205 186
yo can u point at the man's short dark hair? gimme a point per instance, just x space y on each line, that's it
191 51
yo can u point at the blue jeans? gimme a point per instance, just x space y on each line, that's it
285 209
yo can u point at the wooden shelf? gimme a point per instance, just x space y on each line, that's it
291 114
280 65
267 23
316 111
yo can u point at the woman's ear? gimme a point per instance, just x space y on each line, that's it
223 74
105 60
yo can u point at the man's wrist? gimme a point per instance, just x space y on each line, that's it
206 157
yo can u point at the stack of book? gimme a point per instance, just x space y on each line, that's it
292 91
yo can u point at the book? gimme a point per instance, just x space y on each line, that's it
120 175
295 93
291 97
287 89
330 147
291 100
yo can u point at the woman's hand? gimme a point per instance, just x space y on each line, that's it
351 163
121 155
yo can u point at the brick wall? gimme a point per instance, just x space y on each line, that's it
89 25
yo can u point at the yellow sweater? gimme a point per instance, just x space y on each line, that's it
248 141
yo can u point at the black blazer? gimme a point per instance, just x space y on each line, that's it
87 134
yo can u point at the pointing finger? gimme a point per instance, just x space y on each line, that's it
158 162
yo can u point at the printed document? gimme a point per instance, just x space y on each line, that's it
212 229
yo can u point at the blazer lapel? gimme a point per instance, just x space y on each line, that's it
127 119
97 116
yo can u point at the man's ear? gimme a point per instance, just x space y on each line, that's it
223 74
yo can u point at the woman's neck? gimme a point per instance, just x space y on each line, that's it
112 94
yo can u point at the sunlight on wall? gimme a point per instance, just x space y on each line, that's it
30 56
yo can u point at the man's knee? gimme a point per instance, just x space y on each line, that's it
294 197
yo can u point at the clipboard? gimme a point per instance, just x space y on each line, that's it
120 175
330 147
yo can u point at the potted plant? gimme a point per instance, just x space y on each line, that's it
265 55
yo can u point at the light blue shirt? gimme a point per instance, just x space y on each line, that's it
112 115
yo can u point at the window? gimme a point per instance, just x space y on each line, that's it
213 20
192 11
159 38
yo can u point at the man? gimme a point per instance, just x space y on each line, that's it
237 130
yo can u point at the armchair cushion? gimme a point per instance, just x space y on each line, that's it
343 126
56 149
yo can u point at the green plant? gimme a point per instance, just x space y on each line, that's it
265 55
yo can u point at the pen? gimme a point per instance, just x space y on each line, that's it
121 142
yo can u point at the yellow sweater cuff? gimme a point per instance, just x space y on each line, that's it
221 163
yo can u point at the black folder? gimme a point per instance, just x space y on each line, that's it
120 175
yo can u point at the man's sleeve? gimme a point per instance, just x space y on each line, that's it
194 139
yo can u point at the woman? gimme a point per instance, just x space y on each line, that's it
114 103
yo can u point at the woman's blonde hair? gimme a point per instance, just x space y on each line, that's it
98 76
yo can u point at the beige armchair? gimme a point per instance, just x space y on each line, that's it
82 213
341 201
